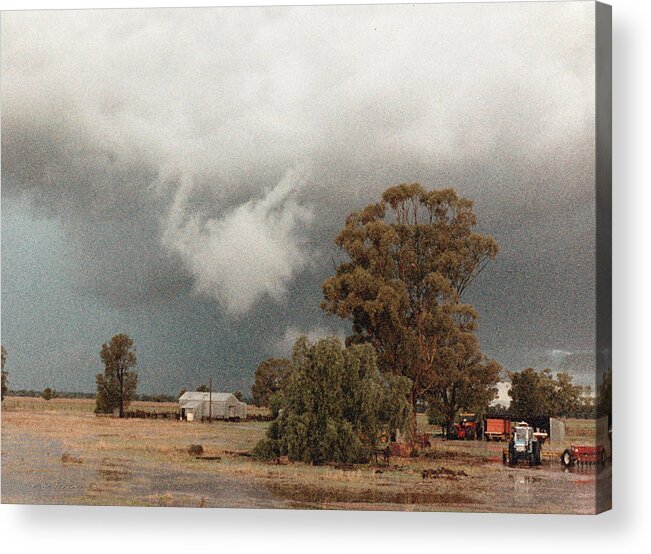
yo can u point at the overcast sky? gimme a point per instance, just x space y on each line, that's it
180 175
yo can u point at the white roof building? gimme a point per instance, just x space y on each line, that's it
219 405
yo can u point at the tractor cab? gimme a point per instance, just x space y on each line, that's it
523 437
524 445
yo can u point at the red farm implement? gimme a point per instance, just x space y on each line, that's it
584 455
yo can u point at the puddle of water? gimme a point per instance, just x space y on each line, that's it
524 478
306 494
33 473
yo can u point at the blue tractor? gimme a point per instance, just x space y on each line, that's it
524 445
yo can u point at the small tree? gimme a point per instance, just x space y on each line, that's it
531 392
537 393
270 376
336 405
465 380
4 374
116 387
47 394
569 400
203 388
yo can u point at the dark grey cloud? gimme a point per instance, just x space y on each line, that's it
204 159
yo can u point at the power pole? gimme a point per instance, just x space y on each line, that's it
210 399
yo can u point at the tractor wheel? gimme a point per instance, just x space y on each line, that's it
505 457
603 458
566 458
513 460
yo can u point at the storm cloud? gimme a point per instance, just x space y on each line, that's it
202 160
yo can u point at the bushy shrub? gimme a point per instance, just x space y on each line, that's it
334 406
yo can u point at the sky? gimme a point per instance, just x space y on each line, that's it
180 175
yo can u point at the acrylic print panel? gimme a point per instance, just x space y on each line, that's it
343 257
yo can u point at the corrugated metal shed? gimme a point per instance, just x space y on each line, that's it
220 405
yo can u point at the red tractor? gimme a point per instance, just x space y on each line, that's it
466 429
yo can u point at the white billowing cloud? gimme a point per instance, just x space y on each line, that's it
286 344
100 106
222 90
249 252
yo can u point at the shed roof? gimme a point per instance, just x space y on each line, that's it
205 396
192 404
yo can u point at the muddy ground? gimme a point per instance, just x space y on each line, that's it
54 457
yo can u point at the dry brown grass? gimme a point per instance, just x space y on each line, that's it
580 430
80 405
145 448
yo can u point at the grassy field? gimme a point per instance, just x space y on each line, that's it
87 405
83 405
58 451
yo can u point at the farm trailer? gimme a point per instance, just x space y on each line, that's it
497 428
546 428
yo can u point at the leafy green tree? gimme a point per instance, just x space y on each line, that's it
48 394
270 376
587 406
238 394
411 258
539 393
276 403
116 386
568 398
336 405
498 410
203 388
3 373
531 392
465 381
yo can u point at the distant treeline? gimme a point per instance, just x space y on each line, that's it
59 394
68 394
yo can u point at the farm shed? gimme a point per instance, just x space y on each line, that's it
200 405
